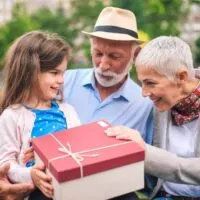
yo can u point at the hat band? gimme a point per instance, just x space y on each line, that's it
116 29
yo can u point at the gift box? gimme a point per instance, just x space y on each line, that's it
86 164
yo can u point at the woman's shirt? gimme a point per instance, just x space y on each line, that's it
182 140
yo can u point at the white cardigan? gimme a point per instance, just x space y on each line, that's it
16 125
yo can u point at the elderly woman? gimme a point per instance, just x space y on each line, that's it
165 69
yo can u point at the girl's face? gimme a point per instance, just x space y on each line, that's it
50 82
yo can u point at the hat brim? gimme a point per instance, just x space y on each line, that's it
113 36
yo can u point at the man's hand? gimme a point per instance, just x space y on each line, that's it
10 191
42 180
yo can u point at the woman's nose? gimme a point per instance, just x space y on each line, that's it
145 92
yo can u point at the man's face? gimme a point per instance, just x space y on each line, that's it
112 60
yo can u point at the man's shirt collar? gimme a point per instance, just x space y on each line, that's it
125 91
89 80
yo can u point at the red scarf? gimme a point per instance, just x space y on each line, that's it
187 109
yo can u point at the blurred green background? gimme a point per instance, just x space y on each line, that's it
154 18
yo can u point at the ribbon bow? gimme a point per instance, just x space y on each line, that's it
78 157
75 156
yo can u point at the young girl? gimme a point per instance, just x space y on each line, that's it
34 69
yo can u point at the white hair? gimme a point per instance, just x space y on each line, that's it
167 55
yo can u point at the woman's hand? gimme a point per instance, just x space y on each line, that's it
125 133
42 180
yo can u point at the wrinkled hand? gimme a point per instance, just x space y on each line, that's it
125 133
42 180
28 155
10 191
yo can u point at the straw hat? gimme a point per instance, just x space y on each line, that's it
116 24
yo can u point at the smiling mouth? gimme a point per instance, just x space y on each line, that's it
155 101
55 88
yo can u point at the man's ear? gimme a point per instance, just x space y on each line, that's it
181 76
136 52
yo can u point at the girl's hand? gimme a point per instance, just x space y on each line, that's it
28 155
125 133
42 180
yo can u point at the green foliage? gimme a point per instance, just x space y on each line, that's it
85 12
59 23
154 17
197 55
83 15
55 22
17 26
42 19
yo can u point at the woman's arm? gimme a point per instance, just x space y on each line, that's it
169 167
161 163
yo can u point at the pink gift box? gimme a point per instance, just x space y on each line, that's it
84 155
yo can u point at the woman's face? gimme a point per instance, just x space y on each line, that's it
163 92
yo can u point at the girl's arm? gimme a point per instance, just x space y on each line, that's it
10 149
10 146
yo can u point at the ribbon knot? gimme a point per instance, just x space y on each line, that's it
78 157
75 156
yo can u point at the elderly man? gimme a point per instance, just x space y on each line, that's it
106 91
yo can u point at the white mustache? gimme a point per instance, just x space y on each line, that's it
114 78
108 73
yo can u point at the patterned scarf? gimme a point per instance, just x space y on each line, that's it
187 109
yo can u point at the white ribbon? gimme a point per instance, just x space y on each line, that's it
78 157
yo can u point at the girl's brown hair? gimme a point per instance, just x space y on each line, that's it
30 54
